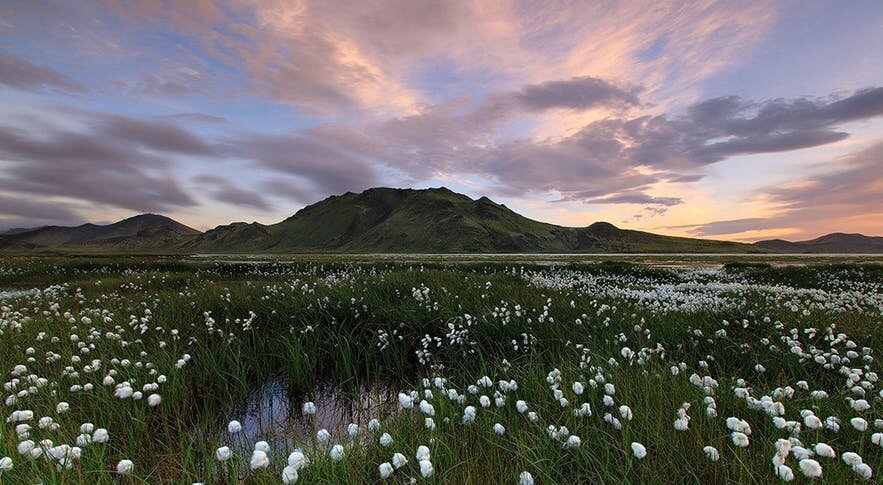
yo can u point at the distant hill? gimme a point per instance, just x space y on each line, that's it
837 242
142 232
432 221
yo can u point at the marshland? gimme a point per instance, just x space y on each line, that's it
164 370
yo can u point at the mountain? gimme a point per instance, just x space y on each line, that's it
385 220
837 242
432 221
138 233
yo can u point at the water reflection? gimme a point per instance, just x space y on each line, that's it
273 413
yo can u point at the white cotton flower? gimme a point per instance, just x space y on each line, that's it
429 423
352 430
823 450
422 453
625 413
223 453
234 427
812 421
832 423
123 392
801 453
426 468
62 407
399 460
385 470
309 408
289 475
100 436
297 459
405 401
860 405
427 408
336 453
153 400
44 422
25 447
711 453
573 442
785 473
469 415
859 424
739 439
499 429
385 440
323 436
259 459
736 424
863 470
125 467
577 388
5 464
374 425
525 478
851 458
583 410
639 450
262 446
877 439
484 401
810 468
783 446
532 416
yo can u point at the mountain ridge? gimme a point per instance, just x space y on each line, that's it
389 220
835 242
140 232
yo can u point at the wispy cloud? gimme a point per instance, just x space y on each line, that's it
23 74
117 161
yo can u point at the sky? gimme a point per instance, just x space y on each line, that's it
731 120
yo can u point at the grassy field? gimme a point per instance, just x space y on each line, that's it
609 372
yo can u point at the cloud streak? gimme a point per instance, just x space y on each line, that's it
23 74
107 165
222 190
852 188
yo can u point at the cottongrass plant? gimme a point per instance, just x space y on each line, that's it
137 370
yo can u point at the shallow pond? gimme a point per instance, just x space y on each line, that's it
11 294
273 413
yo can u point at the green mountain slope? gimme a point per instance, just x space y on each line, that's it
380 220
432 221
142 232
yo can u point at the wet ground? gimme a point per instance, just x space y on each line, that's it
10 294
273 413
672 260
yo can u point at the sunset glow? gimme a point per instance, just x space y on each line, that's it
729 120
